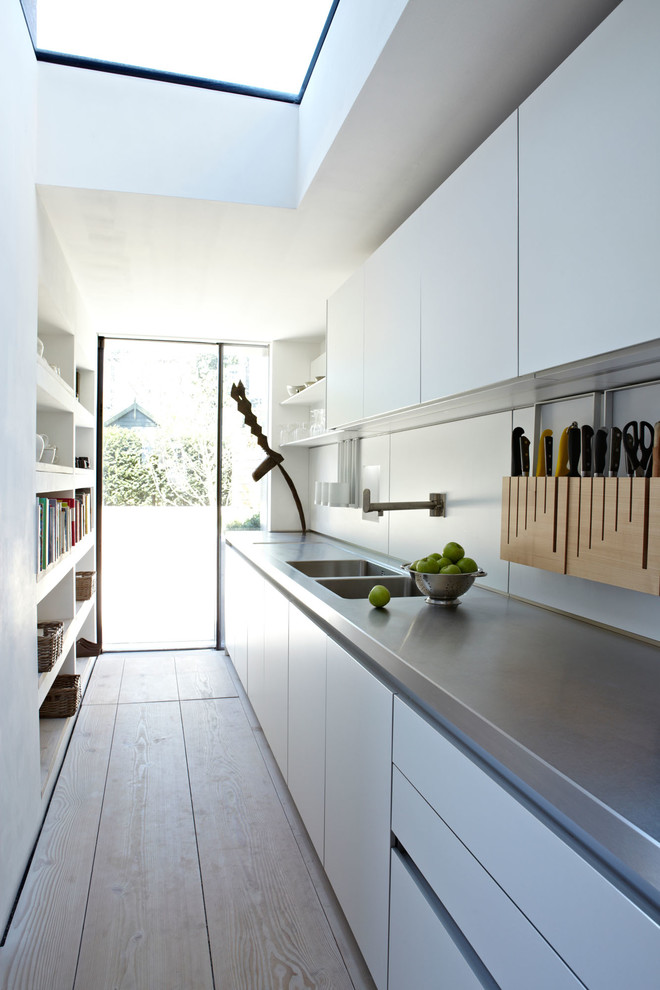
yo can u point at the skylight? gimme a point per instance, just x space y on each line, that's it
266 47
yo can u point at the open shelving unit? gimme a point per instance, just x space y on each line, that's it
66 402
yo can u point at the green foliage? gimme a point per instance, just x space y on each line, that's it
145 467
254 522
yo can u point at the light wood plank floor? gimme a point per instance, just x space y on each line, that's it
172 857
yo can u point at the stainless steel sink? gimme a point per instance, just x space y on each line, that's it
399 586
339 568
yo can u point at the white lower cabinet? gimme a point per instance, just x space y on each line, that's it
306 739
537 913
237 577
425 948
357 802
273 706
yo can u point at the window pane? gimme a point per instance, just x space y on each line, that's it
255 43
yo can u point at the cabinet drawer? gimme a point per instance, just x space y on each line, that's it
602 935
511 949
424 951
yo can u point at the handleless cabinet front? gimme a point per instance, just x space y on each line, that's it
392 322
589 196
306 740
357 802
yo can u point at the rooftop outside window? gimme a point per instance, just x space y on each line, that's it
260 47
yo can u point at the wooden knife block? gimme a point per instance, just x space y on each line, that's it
603 529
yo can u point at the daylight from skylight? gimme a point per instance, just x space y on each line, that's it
256 44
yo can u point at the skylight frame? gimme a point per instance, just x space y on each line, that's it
161 75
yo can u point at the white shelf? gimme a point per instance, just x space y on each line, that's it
52 391
84 478
322 439
49 579
53 478
310 396
72 629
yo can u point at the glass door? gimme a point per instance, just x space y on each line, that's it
167 414
159 546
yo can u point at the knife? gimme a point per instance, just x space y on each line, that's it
615 451
600 453
573 451
516 454
655 457
524 453
587 437
561 467
548 456
541 459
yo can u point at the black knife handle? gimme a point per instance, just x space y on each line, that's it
524 454
574 452
548 456
587 437
615 451
516 455
600 452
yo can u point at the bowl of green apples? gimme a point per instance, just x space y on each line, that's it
444 576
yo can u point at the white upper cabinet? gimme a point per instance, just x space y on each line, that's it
391 322
345 353
469 301
590 196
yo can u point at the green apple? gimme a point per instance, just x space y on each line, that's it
454 551
379 596
467 565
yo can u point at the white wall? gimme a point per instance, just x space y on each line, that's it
99 130
467 460
20 797
357 36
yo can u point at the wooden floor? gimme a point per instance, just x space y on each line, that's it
172 857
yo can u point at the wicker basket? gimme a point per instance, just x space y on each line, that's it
85 585
49 644
63 698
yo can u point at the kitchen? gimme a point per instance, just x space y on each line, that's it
549 372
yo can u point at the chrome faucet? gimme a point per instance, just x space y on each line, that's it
436 504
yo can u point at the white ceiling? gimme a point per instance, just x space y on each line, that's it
450 73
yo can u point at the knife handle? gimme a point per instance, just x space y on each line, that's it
574 446
524 454
561 468
548 456
541 459
655 469
516 456
600 452
615 451
587 438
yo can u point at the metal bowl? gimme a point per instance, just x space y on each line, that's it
443 589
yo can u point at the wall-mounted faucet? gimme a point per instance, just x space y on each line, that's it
436 504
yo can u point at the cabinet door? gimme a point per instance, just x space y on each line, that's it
469 281
237 577
357 802
391 322
306 777
345 353
256 675
423 952
589 196
273 713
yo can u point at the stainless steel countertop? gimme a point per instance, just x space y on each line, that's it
567 712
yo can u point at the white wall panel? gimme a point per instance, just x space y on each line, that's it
349 524
20 794
98 130
467 460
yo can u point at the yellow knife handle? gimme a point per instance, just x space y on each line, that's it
561 468
540 460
